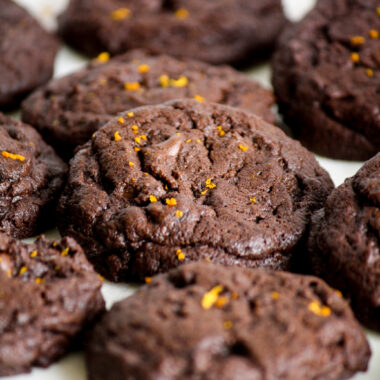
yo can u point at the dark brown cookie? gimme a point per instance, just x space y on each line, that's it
48 294
69 110
163 185
326 75
32 176
222 31
345 242
27 54
207 322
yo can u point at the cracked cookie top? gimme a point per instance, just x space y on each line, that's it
205 322
163 185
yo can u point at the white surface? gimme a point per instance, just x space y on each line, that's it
72 366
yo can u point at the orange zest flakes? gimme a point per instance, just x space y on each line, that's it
180 82
130 114
200 99
355 57
117 136
166 82
103 57
357 40
253 199
369 72
378 11
209 299
209 184
374 34
136 149
31 143
180 255
198 141
221 301
130 163
207 259
39 280
234 296
339 293
188 140
23 270
227 325
9 273
318 309
121 120
142 69
275 295
101 277
138 140
120 14
152 198
220 129
34 254
243 148
135 129
143 137
179 214
13 156
65 252
181 13
171 202
148 280
204 192
132 86
55 243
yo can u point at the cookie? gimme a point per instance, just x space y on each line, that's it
69 110
207 322
27 54
326 75
48 294
32 176
223 31
344 243
163 185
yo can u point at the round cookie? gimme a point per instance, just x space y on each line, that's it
163 185
69 110
207 322
344 242
326 75
222 31
48 294
27 54
32 176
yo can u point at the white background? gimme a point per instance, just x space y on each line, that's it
72 366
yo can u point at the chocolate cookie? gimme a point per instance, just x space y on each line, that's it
345 242
223 31
32 176
207 322
69 110
27 54
48 294
163 185
326 75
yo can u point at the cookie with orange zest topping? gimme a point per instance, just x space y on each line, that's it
219 32
46 297
326 75
32 176
67 116
188 189
187 323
